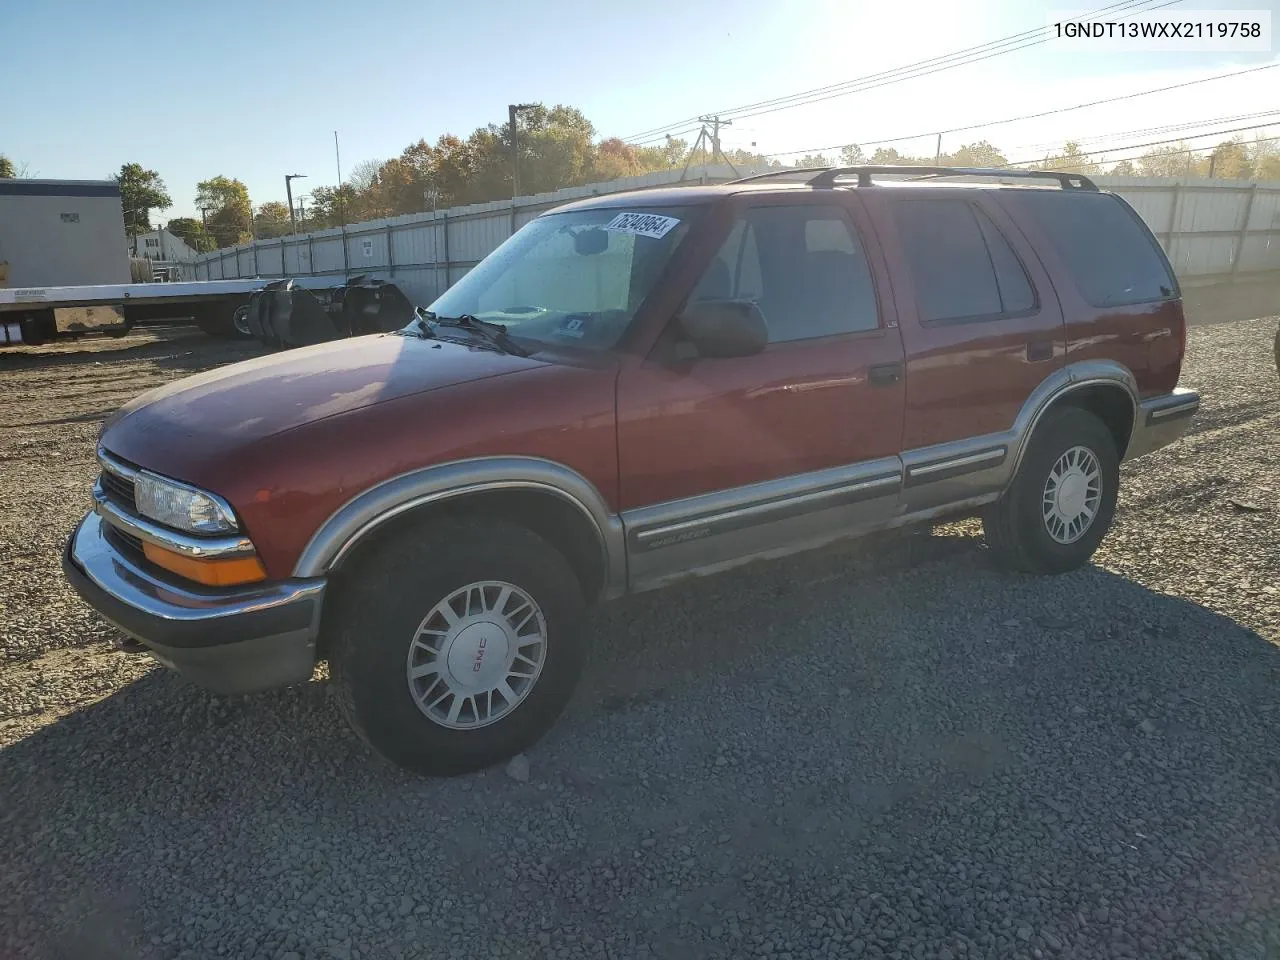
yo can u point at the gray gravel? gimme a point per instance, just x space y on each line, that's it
789 761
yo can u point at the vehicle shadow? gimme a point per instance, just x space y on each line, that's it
856 725
180 348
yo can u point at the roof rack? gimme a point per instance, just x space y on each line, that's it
779 173
1068 181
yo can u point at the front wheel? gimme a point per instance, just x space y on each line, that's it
1062 499
458 644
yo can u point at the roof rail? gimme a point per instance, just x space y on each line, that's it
779 173
1068 181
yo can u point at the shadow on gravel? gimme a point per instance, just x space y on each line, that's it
181 349
1072 761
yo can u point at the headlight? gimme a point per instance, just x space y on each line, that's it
182 507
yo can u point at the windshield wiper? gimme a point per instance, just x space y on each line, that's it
495 334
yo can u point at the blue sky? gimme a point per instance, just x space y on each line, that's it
254 90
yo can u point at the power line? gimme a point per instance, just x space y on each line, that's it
1168 128
937 64
1158 143
1032 116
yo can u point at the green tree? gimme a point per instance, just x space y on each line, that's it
891 156
813 160
272 220
1123 168
141 191
191 232
7 169
229 219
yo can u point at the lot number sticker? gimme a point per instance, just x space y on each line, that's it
643 224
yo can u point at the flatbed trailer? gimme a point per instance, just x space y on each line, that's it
35 315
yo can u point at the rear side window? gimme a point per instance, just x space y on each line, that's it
1110 253
962 267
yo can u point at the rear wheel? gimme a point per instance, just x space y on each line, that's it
1063 498
458 644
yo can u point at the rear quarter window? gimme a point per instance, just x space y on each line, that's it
1109 252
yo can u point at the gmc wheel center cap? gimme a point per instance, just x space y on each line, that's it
1071 492
478 655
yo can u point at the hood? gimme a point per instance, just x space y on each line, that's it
203 417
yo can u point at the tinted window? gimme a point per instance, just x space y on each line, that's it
1016 295
1111 255
948 258
803 266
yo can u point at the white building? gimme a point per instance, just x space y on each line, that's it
163 245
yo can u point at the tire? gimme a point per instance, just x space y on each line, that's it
398 591
226 323
1019 533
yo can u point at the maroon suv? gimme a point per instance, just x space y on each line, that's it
634 389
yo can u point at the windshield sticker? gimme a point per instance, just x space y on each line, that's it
644 224
574 327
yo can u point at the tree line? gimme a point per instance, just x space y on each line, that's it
558 148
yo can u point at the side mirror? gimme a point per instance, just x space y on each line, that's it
589 242
725 328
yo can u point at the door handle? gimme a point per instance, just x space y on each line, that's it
884 374
1040 350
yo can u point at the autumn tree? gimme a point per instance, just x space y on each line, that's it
851 155
272 220
1072 159
141 191
1230 160
229 218
7 169
1123 168
1264 157
1172 160
980 154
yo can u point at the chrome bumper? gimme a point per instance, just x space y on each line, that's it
1162 420
229 640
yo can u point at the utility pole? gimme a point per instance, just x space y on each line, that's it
288 189
711 136
937 153
513 113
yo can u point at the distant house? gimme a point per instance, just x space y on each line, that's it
163 245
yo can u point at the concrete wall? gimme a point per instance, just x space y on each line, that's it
62 233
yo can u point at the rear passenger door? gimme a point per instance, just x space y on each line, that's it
981 325
725 458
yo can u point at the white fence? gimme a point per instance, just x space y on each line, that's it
1212 230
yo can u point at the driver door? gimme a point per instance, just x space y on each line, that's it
725 459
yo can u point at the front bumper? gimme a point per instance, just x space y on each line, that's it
229 640
1162 420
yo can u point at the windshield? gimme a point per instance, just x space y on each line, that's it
573 278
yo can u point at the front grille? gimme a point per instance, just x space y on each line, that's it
118 490
126 543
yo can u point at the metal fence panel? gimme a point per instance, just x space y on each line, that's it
1209 228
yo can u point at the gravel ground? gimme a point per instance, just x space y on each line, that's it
794 760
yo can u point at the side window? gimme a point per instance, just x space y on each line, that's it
1016 295
805 268
1110 253
951 270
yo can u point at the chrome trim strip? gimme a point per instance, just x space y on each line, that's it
971 460
368 510
764 512
198 548
112 465
1181 404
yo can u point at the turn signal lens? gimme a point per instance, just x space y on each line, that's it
212 573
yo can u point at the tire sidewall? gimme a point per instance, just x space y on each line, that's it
383 619
1063 430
